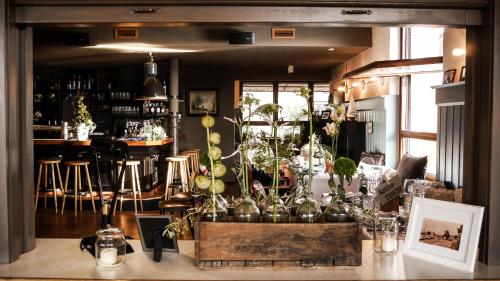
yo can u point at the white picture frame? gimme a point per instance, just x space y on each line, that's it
426 236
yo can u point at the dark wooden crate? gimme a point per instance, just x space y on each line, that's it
230 244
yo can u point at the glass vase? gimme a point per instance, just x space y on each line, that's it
268 200
247 210
214 210
276 212
327 200
309 210
337 212
386 233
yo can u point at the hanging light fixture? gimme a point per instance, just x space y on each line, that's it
152 88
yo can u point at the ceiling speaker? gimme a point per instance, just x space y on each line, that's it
241 38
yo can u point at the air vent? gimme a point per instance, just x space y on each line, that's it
283 33
126 33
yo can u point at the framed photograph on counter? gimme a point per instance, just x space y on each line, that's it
202 101
444 232
147 224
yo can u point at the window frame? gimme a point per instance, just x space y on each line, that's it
405 89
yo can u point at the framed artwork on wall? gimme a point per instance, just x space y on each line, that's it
444 232
202 101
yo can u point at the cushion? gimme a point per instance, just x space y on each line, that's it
372 158
411 167
444 194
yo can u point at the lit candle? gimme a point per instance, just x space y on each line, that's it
389 242
108 256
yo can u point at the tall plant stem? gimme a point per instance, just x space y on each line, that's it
211 174
245 154
276 173
309 179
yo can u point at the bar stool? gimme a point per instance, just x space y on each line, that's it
194 156
77 192
44 165
136 185
178 164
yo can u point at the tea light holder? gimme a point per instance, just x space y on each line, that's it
110 247
386 233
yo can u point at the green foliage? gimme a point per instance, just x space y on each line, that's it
345 167
80 112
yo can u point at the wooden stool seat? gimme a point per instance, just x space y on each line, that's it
76 163
49 161
136 184
77 193
44 165
173 204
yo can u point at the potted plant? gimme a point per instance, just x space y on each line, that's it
81 123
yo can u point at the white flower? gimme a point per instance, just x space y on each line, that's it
330 129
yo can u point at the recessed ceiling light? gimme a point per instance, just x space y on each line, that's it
140 48
331 49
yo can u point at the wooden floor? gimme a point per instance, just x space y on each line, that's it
51 225
48 224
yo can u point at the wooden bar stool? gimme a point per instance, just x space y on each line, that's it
44 165
193 159
136 184
77 192
177 165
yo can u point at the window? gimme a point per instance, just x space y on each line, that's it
292 104
418 108
284 94
321 95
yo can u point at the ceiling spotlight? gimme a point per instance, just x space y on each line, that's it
457 52
331 49
290 68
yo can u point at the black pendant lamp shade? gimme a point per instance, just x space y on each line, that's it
152 88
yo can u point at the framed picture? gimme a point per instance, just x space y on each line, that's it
202 101
325 114
449 76
444 232
147 224
462 73
369 127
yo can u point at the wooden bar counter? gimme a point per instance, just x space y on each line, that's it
150 153
87 142
62 259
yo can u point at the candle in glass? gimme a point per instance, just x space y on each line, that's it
108 256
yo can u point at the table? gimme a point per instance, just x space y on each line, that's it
62 258
319 185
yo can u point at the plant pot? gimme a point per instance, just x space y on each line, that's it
82 132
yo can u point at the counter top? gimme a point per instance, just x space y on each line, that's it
62 258
87 142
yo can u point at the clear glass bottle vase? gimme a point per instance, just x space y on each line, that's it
214 210
308 210
246 210
277 212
